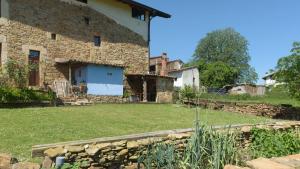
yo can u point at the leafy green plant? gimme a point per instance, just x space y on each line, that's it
271 143
206 149
187 92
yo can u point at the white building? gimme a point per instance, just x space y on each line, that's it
186 76
269 79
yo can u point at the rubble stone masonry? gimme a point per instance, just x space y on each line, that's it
31 23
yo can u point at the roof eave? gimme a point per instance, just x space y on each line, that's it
153 12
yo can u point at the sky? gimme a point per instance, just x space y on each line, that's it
270 26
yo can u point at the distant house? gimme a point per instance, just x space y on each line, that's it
253 90
270 80
161 65
186 76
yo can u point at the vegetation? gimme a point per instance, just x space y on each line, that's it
275 95
187 93
24 95
207 148
223 58
270 143
22 128
288 71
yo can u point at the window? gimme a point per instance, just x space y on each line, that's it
109 74
53 36
82 1
97 40
86 20
138 14
34 73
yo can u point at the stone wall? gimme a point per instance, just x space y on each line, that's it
124 151
259 109
164 90
32 22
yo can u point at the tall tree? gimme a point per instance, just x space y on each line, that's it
230 48
288 71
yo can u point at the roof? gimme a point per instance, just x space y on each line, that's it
183 69
177 60
268 75
67 61
150 75
153 12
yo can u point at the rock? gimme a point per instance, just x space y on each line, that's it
103 146
54 152
47 163
132 145
26 165
135 166
179 136
92 150
6 161
119 144
234 167
133 158
123 152
263 163
246 129
75 149
291 160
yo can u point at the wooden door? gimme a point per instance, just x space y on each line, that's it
34 64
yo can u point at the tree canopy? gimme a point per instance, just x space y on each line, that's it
288 71
229 50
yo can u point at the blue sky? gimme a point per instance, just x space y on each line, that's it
270 26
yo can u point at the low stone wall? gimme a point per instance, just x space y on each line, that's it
259 109
105 99
123 152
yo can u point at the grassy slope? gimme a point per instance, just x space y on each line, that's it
22 128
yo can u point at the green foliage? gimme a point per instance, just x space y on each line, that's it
217 74
229 48
71 166
24 95
187 92
206 149
288 71
18 72
273 143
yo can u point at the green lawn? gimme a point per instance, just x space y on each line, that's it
22 128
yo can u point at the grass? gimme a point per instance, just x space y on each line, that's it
22 128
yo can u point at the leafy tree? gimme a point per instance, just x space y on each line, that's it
230 48
217 74
288 71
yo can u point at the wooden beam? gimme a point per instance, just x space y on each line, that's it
144 89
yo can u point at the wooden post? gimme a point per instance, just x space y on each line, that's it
70 74
144 89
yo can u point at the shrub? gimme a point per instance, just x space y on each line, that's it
187 92
12 95
273 143
207 148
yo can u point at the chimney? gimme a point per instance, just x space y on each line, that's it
164 62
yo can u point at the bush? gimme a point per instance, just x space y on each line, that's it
273 143
13 95
187 92
207 148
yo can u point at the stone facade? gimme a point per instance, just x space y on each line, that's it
31 23
124 151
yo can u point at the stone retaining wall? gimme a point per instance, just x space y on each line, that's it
259 109
123 152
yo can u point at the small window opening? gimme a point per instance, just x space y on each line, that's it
53 36
97 40
82 1
109 74
138 14
87 20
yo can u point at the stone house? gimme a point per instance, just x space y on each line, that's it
98 44
161 65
